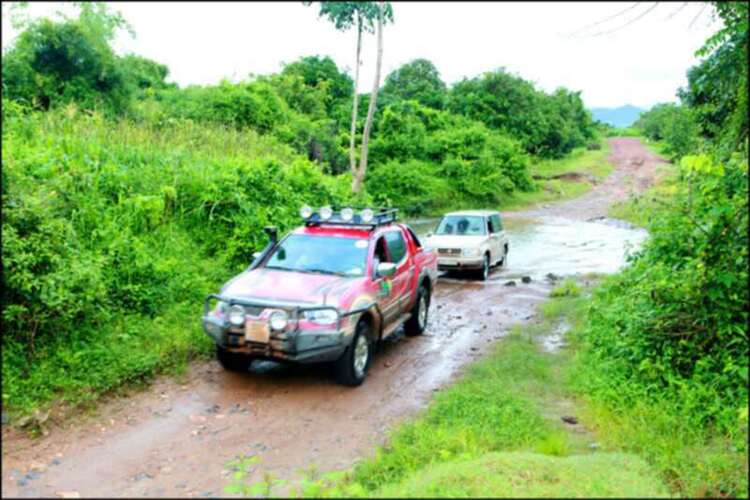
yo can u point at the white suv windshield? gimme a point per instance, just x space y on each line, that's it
468 225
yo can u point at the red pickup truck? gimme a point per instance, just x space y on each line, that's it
326 292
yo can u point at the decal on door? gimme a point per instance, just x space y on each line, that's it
385 288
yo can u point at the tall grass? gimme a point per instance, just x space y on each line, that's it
113 234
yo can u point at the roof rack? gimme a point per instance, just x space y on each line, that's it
360 216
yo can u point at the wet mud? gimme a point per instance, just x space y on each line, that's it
175 438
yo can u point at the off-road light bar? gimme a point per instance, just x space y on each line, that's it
348 216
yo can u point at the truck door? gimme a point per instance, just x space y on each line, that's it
386 297
404 276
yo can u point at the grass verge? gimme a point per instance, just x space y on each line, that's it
497 432
75 374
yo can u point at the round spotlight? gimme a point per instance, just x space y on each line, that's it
278 320
305 212
367 215
326 212
237 315
347 214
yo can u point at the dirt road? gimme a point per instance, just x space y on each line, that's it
175 438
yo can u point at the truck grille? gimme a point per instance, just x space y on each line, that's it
254 310
449 251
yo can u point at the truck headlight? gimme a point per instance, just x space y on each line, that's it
212 328
236 315
470 252
321 316
278 320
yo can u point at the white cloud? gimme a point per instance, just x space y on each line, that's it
641 64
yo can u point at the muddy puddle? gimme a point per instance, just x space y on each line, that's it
560 246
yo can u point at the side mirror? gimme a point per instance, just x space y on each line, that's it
386 269
429 234
257 254
272 232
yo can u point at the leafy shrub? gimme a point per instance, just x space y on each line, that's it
568 288
676 319
413 186
105 221
546 125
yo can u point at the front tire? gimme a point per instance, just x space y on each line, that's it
417 323
232 361
484 273
351 368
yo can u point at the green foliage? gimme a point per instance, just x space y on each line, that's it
417 80
674 322
529 475
145 73
546 125
323 74
673 124
493 408
717 87
106 223
413 186
470 160
53 63
345 15
568 288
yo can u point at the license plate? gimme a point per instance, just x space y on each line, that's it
257 331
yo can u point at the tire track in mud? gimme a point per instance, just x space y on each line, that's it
174 438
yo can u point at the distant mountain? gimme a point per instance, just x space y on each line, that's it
624 116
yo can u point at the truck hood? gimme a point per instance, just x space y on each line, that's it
454 241
288 286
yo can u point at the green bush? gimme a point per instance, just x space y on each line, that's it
413 186
675 321
104 221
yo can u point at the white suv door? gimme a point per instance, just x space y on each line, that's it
496 240
500 236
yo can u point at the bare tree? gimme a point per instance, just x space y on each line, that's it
358 177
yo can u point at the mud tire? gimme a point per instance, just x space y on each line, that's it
414 326
232 361
344 367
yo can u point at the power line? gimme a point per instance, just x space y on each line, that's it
697 16
628 23
680 9
606 19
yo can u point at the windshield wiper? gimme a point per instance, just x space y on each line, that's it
321 271
303 270
280 268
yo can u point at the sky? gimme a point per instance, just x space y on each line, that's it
552 44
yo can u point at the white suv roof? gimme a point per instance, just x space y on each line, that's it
474 212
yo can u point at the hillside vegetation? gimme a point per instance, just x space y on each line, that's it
127 199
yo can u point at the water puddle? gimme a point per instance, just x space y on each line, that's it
556 339
561 246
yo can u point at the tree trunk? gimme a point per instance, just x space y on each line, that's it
359 176
355 105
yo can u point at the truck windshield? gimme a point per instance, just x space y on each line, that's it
469 225
320 254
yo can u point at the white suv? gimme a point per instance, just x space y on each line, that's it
470 240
